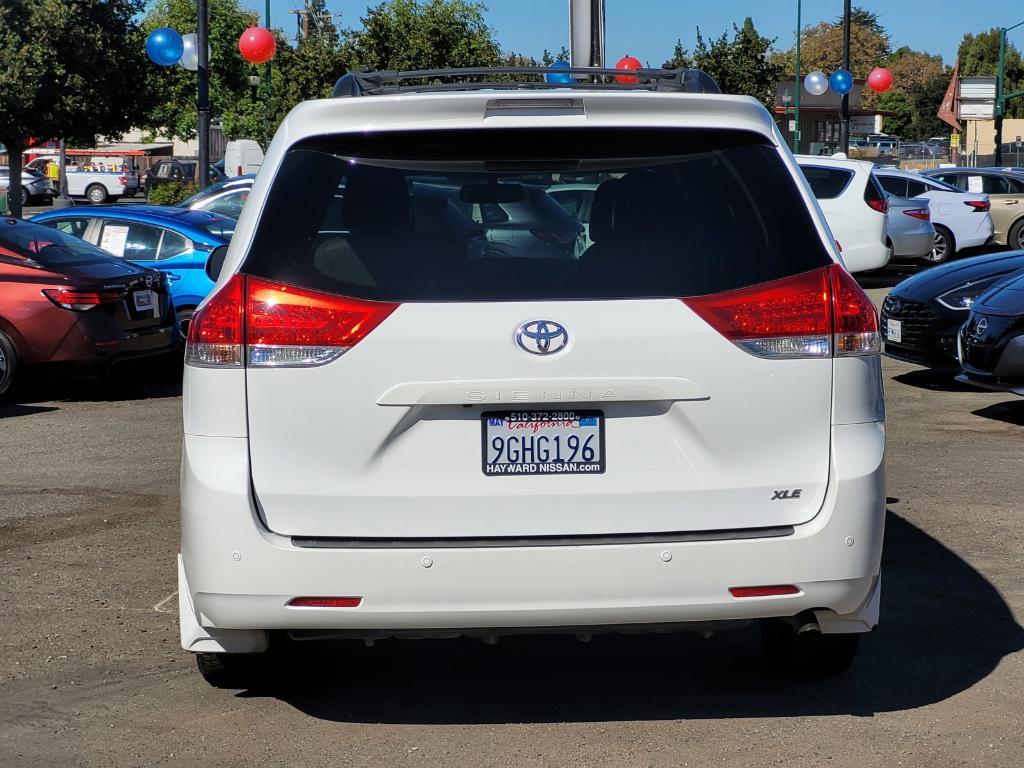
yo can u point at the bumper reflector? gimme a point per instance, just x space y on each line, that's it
325 602
774 590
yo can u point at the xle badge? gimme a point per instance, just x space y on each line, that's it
787 494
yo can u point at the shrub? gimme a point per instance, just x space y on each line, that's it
172 192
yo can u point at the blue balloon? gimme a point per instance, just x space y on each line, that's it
841 81
562 78
164 46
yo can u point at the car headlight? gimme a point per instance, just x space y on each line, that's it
963 296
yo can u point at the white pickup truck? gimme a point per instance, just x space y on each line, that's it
94 185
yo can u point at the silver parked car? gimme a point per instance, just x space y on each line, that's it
909 227
34 185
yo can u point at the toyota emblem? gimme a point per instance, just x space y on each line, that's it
542 337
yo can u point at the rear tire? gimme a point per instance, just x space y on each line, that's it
1015 237
943 247
229 670
808 655
96 194
8 364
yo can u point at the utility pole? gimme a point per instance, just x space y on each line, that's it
797 85
844 108
203 101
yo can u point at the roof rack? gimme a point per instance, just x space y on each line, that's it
378 83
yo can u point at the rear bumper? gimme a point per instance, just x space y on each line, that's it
912 245
236 576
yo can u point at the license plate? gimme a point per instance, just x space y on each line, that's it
552 442
894 330
143 300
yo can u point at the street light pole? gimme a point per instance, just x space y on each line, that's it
1001 96
203 100
268 85
797 85
844 110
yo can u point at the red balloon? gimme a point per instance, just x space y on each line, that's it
628 62
257 45
880 79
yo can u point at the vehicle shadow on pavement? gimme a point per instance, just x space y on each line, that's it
1010 412
937 381
944 628
10 411
161 382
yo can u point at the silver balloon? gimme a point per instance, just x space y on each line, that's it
190 55
816 83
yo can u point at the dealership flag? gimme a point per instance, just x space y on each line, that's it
947 112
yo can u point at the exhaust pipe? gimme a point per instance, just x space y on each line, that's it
807 625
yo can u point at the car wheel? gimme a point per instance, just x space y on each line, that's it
184 318
943 247
811 654
8 364
96 193
229 670
1015 238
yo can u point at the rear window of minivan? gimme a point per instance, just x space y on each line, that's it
826 183
401 216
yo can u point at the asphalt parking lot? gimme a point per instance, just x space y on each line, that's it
91 673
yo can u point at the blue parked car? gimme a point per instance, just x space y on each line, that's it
173 240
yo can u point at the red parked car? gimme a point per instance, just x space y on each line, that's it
66 303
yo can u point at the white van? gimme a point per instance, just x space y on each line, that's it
241 157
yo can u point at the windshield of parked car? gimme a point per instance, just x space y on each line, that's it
465 215
50 247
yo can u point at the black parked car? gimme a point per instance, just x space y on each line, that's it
992 339
164 171
922 315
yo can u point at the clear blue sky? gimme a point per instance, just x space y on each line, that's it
648 29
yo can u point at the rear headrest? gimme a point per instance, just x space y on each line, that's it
375 199
642 205
602 211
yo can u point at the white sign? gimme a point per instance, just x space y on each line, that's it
114 239
976 110
862 125
977 88
974 183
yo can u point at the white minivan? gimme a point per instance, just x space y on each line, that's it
394 429
855 206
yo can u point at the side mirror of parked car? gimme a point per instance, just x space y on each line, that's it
215 263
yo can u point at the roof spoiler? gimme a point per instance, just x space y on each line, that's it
481 78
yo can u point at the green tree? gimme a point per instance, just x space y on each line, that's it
925 99
68 69
899 103
421 34
680 58
739 65
310 69
979 57
230 93
821 45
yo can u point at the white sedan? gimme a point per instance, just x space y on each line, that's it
961 219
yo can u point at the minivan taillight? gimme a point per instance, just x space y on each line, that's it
216 333
268 324
814 314
289 326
